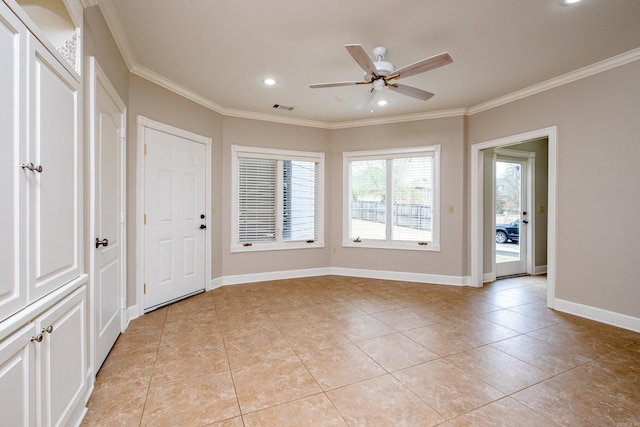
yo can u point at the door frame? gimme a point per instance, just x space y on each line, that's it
144 123
95 74
528 158
477 220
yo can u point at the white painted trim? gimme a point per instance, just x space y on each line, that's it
539 269
590 70
599 314
477 270
133 312
142 124
434 279
97 76
267 276
489 277
119 35
339 271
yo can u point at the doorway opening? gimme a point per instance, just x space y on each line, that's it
483 214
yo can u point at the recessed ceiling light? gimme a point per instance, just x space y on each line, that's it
269 81
382 102
568 2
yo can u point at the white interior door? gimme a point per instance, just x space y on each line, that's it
511 216
175 216
107 244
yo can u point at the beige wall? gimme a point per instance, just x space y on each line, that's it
238 131
156 103
449 133
98 42
598 181
598 186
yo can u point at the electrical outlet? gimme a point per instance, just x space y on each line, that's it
541 209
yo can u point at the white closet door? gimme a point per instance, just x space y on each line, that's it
54 190
108 255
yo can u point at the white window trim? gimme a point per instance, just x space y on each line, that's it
348 156
276 154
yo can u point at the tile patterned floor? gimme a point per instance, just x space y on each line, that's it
338 351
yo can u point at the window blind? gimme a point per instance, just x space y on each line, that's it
257 203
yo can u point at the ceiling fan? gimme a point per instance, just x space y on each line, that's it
380 74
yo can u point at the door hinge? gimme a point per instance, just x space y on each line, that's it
145 219
145 288
121 133
145 149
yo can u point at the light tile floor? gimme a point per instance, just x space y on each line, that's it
337 351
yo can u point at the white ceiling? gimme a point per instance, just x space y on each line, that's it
218 51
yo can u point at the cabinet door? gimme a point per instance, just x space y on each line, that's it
17 379
62 358
13 295
55 190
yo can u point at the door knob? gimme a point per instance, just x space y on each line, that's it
202 226
103 242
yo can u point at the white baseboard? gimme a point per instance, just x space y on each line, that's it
351 272
436 279
539 269
489 277
263 277
598 314
132 313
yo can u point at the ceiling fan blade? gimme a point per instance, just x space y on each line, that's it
411 91
334 84
360 55
423 65
365 100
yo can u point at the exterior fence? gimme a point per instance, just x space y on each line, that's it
404 214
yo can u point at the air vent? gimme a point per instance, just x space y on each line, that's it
283 107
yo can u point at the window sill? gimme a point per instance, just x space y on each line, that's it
405 246
259 247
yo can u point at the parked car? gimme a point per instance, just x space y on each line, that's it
506 232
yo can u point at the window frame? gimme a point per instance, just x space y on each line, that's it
390 154
238 151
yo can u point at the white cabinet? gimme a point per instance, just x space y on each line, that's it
17 378
40 219
43 367
44 372
13 127
53 202
62 358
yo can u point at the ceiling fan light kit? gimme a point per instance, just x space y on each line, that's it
380 74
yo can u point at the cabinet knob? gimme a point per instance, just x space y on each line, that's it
33 168
37 338
48 329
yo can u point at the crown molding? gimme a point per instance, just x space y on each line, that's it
277 119
89 3
119 35
590 70
172 86
430 115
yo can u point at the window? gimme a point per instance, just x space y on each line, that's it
392 198
278 199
